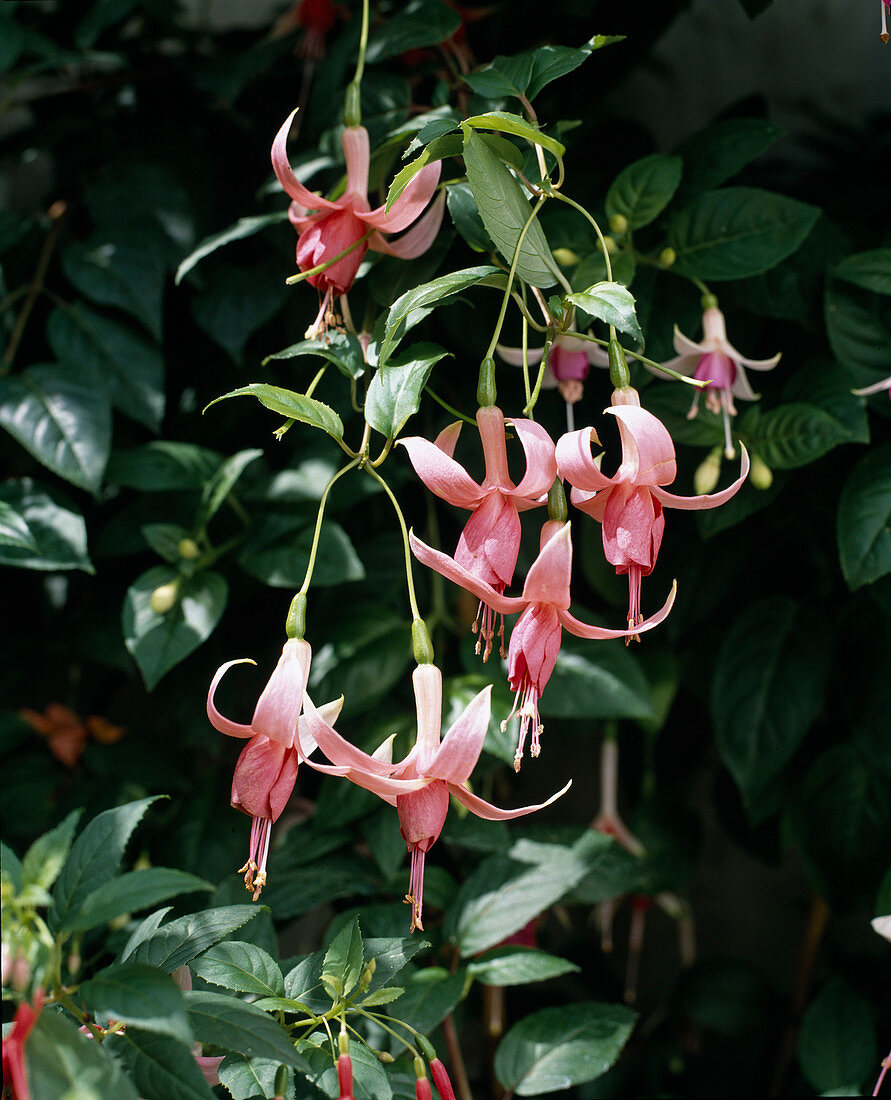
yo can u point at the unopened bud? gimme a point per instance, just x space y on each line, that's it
21 973
618 224
385 1056
709 301
565 257
73 963
707 473
188 549
441 1080
164 598
345 1075
761 475
370 967
667 257
422 648
282 1074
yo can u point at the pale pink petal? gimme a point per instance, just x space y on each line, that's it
709 500
384 751
575 463
409 204
418 239
549 575
583 630
489 812
285 174
754 364
592 504
742 387
541 462
328 713
338 750
354 140
461 747
442 474
448 567
281 701
231 729
682 364
447 439
514 356
684 346
209 1066
647 448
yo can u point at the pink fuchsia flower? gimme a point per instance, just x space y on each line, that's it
441 1079
629 504
420 785
717 361
535 640
328 227
490 541
267 766
15 1073
569 361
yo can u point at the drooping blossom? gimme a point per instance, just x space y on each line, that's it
267 766
884 36
629 504
717 361
569 361
15 1073
345 1077
441 1079
490 542
420 785
328 227
535 639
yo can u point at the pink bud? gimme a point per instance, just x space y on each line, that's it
345 1076
441 1080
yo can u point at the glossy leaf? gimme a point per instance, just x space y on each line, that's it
162 1068
737 232
139 995
45 858
370 1080
859 328
222 483
238 300
340 348
56 530
864 519
390 956
178 942
465 216
244 227
517 965
342 964
294 406
507 123
559 1047
395 390
117 274
162 466
278 556
250 1078
430 995
243 967
718 152
447 145
239 1027
641 191
595 682
611 303
62 1061
836 1045
62 417
526 74
794 435
420 23
869 270
131 892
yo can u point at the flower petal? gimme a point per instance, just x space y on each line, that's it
418 239
442 474
742 387
338 750
231 729
514 356
489 812
647 447
448 567
575 463
583 630
549 575
354 140
409 204
684 346
754 364
281 701
541 461
461 747
285 174
706 500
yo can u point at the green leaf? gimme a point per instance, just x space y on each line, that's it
14 531
465 216
242 967
340 348
129 365
828 385
94 860
592 681
56 529
390 956
222 483
236 301
794 435
430 995
504 209
420 23
557 1048
162 466
526 74
249 1078
159 642
611 303
45 858
448 145
507 123
183 939
864 519
10 867
869 270
768 688
370 1079
131 892
859 328
395 390
400 316
244 227
62 417
719 151
517 965
139 995
343 961
164 539
239 1027
277 556
737 232
63 1062
294 406
836 1045
116 274
162 1068
641 191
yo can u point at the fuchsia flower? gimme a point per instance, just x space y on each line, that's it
326 228
15 1073
267 766
490 541
535 640
569 361
419 786
629 504
717 360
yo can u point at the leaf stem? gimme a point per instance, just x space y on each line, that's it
577 206
643 359
409 579
449 408
310 565
36 283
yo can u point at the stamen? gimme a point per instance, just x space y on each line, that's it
728 410
634 616
415 895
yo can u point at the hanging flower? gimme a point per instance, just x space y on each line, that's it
569 361
629 504
490 541
15 1073
326 228
420 785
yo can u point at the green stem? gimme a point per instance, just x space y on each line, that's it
363 45
318 378
643 359
600 237
530 404
319 268
409 580
448 408
379 1020
307 580
526 384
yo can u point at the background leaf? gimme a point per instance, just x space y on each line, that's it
864 519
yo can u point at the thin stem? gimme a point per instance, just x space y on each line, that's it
379 1020
13 297
600 237
510 275
319 268
700 285
345 313
449 408
318 378
643 359
307 580
363 45
530 404
34 290
409 580
526 384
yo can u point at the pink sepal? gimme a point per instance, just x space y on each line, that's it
409 204
489 812
285 174
706 500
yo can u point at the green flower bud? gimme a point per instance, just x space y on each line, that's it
707 473
611 246
667 257
618 224
565 257
164 598
761 475
188 549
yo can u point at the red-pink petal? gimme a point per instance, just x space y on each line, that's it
281 701
490 542
217 720
285 174
442 474
338 750
461 747
583 630
549 575
409 204
541 460
489 812
708 500
647 448
448 567
418 239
